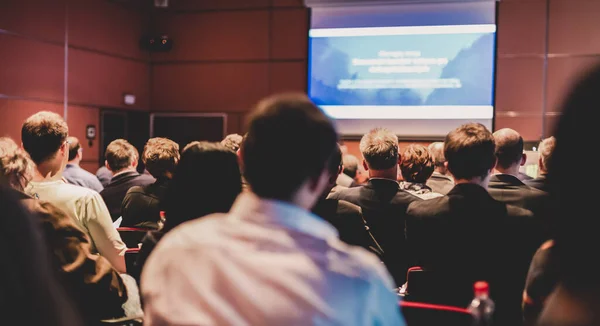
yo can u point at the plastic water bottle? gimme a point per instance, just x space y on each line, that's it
482 307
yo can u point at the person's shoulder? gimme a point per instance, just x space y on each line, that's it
205 231
346 193
362 261
347 208
515 211
425 208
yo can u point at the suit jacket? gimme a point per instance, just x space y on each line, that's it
114 193
468 236
75 175
539 183
510 190
440 183
104 175
142 204
384 205
346 218
523 177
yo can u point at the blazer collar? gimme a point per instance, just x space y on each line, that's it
505 179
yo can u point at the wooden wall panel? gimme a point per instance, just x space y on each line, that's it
216 36
195 5
522 27
78 119
288 3
106 26
15 112
574 26
530 128
229 87
519 84
289 34
31 69
562 73
102 80
234 123
288 77
37 18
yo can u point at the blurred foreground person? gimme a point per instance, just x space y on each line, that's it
269 261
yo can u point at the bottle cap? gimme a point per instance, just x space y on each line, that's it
481 287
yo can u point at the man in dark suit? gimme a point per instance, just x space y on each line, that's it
122 160
440 181
382 202
505 185
468 236
545 151
142 205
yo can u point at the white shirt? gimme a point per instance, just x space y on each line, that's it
264 263
87 209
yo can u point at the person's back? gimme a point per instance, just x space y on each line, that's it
467 236
74 174
104 175
142 205
440 181
44 137
381 200
122 160
269 261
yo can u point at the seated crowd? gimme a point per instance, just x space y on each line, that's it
283 226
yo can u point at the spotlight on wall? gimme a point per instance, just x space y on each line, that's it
161 3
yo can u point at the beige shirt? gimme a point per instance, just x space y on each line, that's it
88 211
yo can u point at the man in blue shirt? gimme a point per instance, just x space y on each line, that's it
74 174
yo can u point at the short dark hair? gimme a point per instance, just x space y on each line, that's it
335 162
202 166
417 164
289 141
43 134
120 154
350 163
509 147
74 147
379 147
470 151
160 156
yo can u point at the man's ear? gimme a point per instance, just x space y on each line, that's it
106 165
446 165
541 163
523 159
365 165
134 163
399 159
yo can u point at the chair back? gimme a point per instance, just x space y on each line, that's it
126 321
132 236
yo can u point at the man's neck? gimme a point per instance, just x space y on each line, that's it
483 182
390 174
513 170
74 162
124 171
441 171
47 172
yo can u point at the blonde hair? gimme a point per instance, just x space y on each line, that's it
16 167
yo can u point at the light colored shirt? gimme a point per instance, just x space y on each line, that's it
75 175
264 263
88 211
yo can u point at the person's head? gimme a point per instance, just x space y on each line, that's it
44 137
350 163
120 156
75 150
509 151
417 164
160 157
287 149
334 167
16 168
436 149
206 180
379 147
546 149
233 142
470 152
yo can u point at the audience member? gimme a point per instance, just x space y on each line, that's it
232 142
269 246
440 181
505 185
576 298
416 168
74 174
31 293
15 165
468 236
348 177
346 217
382 201
142 204
212 192
104 175
545 151
122 161
541 281
44 137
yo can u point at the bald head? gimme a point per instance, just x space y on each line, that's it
437 152
509 149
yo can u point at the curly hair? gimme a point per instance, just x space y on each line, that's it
160 156
417 164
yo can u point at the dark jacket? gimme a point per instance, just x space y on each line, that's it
149 242
114 193
384 206
440 183
142 205
468 236
346 218
539 183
